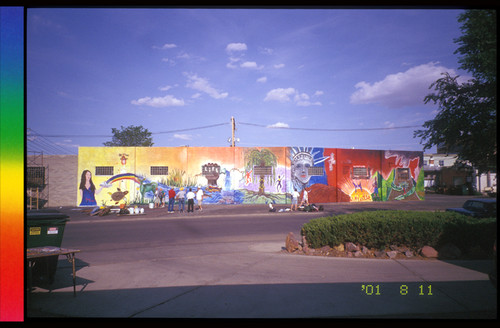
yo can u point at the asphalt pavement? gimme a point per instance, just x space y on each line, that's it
260 280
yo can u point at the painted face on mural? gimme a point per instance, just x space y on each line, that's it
300 167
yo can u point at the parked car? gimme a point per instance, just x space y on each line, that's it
478 208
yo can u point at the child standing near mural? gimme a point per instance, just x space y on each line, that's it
190 197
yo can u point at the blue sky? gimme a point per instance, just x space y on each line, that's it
289 77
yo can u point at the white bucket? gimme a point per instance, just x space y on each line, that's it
151 205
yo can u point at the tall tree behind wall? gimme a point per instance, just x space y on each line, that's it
131 136
466 121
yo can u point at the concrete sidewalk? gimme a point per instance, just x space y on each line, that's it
433 202
259 280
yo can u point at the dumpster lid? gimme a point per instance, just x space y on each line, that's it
45 215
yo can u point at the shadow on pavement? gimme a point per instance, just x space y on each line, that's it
457 299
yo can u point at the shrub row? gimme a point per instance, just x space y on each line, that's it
380 229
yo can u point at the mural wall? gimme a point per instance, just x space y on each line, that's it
238 175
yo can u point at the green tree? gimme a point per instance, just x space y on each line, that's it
131 136
466 121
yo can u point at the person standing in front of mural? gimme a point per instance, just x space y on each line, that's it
199 198
305 198
181 195
162 198
295 199
190 198
171 200
157 198
87 189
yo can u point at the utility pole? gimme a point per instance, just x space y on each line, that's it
233 127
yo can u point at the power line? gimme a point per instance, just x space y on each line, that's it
331 130
110 136
190 129
37 142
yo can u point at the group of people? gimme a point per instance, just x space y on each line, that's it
181 197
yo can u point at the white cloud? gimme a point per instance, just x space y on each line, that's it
165 88
232 62
306 103
249 64
236 47
262 79
169 61
279 65
400 89
266 51
389 124
183 136
280 94
166 46
166 101
278 125
286 95
318 93
202 84
169 46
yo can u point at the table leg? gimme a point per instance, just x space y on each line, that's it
71 259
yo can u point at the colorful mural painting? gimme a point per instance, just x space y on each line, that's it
239 175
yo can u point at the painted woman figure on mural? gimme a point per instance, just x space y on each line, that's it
87 189
302 159
300 169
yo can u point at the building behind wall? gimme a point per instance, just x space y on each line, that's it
443 177
50 180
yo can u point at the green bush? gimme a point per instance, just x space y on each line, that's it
380 229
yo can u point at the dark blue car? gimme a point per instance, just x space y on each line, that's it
478 208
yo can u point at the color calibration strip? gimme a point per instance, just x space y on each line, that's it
11 164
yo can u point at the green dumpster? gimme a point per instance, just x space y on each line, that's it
45 228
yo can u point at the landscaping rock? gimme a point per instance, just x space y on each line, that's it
339 248
351 247
450 252
358 254
380 254
325 250
408 253
305 247
291 243
365 250
392 254
428 251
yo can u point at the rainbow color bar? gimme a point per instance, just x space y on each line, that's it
11 164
